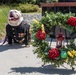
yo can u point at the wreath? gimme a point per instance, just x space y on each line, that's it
61 53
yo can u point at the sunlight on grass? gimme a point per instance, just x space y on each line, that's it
3 14
3 19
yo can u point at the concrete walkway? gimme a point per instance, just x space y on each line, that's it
19 60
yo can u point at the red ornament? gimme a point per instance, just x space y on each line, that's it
41 35
72 21
60 40
60 37
54 53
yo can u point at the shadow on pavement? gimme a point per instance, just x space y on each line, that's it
49 69
14 46
7 47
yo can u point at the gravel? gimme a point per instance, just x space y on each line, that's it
29 17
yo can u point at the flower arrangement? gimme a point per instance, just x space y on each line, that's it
52 19
72 21
59 54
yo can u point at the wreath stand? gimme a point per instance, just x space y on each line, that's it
64 7
53 36
55 33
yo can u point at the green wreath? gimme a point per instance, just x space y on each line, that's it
56 56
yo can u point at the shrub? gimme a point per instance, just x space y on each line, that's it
25 8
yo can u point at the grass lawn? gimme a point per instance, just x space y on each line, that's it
3 19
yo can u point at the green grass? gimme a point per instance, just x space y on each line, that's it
3 19
3 13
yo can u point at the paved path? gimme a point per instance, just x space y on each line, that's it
19 60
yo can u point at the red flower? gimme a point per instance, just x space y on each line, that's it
41 35
54 53
72 21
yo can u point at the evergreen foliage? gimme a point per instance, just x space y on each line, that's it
42 47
